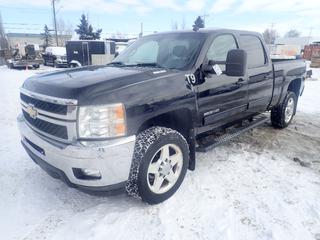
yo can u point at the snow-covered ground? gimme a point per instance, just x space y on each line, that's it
262 185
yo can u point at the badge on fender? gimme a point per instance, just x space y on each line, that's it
191 79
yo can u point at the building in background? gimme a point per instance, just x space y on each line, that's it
298 41
15 39
293 47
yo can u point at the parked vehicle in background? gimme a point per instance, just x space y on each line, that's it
285 51
89 52
137 122
120 46
55 56
25 57
311 50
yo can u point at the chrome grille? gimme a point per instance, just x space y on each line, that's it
47 106
50 116
47 127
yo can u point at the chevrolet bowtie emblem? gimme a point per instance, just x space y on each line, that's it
33 113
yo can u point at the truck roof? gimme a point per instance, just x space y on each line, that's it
209 31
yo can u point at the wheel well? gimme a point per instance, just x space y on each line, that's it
295 86
179 120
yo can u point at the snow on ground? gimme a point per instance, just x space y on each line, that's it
262 185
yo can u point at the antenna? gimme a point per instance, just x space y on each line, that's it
309 38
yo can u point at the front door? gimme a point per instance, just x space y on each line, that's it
221 98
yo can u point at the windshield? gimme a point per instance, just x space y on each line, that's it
171 51
121 47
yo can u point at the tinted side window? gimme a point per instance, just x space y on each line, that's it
255 51
220 47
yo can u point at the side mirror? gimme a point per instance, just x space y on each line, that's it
208 68
236 64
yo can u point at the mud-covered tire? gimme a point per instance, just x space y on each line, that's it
278 113
149 143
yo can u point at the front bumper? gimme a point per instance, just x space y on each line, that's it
112 158
61 63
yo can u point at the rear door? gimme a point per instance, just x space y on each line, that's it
221 98
260 75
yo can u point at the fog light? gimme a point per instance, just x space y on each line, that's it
86 173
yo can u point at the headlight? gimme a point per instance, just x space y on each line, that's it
102 121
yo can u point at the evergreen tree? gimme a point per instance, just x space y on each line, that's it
198 23
46 36
292 33
85 31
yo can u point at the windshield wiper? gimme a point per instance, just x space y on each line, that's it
151 64
146 65
116 64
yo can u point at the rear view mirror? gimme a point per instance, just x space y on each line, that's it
236 64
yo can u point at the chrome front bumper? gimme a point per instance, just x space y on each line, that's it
112 158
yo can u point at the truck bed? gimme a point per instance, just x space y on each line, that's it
284 72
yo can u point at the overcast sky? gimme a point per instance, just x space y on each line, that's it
125 16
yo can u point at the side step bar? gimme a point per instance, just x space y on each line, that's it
235 132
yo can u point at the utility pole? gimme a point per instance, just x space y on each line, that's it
310 34
141 30
272 34
55 20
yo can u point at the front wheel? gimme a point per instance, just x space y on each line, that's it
159 165
282 115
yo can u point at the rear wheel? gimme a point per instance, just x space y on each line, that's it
282 115
159 165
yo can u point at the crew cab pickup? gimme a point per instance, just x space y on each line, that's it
137 122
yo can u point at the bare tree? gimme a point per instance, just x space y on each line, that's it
183 24
64 31
3 40
61 26
270 35
174 25
61 30
69 30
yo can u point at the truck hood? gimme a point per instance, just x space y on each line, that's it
72 83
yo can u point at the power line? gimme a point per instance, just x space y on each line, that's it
26 9
24 24
22 28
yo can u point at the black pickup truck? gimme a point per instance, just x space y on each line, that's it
136 123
